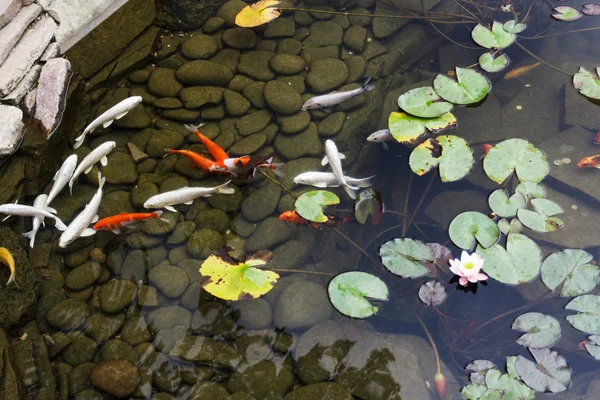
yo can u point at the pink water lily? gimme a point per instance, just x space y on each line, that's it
468 268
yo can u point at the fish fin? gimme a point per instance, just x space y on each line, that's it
189 203
170 208
277 170
121 115
325 160
320 185
79 140
104 160
385 146
207 195
5 218
56 175
107 123
50 209
87 171
366 182
11 279
368 87
71 187
88 232
29 234
43 224
224 190
158 213
342 157
350 192
59 224
101 180
95 219
116 230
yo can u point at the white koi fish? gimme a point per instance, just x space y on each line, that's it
117 111
334 158
62 177
329 179
185 195
335 97
86 165
29 211
381 136
39 203
79 227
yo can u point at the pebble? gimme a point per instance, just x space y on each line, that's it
68 314
199 47
170 280
117 377
203 242
162 83
202 72
261 203
102 327
81 350
301 305
255 64
283 98
240 38
326 75
254 313
116 295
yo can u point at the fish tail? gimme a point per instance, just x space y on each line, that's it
194 128
11 279
366 182
31 236
223 189
368 87
277 169
169 151
101 180
350 190
59 224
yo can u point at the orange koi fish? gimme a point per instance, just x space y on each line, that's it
198 160
124 219
214 149
293 217
590 162
517 72
486 147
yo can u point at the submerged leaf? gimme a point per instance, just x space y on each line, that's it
258 13
496 38
593 347
349 293
509 387
479 368
432 293
514 226
588 319
310 205
541 330
542 219
423 102
530 190
513 26
401 256
503 206
550 374
441 256
470 86
471 225
571 268
407 128
566 13
515 155
369 203
587 83
519 263
591 9
488 63
451 153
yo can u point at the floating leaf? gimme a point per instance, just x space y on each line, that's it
587 83
588 319
508 387
514 226
513 26
400 256
473 391
541 220
591 9
349 293
369 203
566 13
407 128
541 330
488 63
510 367
441 256
258 13
466 227
230 279
470 88
519 263
503 206
550 374
572 269
479 368
530 190
451 153
515 155
496 38
424 102
594 346
310 205
432 293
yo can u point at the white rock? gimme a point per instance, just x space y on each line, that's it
24 86
8 10
29 103
29 48
52 51
10 34
51 92
27 2
11 130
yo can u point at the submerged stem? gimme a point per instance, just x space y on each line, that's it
299 271
542 61
281 185
433 346
310 10
414 214
356 245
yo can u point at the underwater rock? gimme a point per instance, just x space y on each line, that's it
329 390
213 24
50 95
148 296
117 377
162 83
254 122
302 304
235 104
202 72
14 20
254 313
168 103
142 192
208 390
263 380
282 98
203 242
119 350
199 47
331 125
261 203
269 233
227 57
115 203
255 64
170 280
166 376
306 143
197 96
102 327
167 317
356 68
83 276
206 351
326 75
163 139
186 14
12 130
287 64
139 76
240 38
254 92
79 378
181 232
238 83
160 226
135 331
323 34
579 110
280 28
81 350
214 319
242 227
212 219
229 10
181 115
247 145
384 27
68 314
291 254
116 295
295 123
320 53
289 46
355 38
120 169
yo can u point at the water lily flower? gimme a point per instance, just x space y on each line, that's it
468 268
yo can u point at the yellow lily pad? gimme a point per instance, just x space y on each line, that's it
258 13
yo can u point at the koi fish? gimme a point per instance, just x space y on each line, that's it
62 177
117 111
216 152
381 136
237 165
7 259
329 179
294 218
597 138
517 72
124 219
590 162
29 211
335 97
333 157
185 195
86 165
486 147
198 160
39 203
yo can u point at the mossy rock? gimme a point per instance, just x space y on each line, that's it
228 57
182 231
212 219
282 98
199 47
68 314
326 75
204 241
356 68
263 380
229 10
255 64
355 38
162 83
268 234
213 113
172 281
83 276
202 72
181 115
305 143
213 24
102 327
242 227
291 124
160 226
280 28
163 139
331 125
115 203
324 33
294 168
289 46
197 96
254 92
120 169
254 122
227 202
235 104
116 295
142 192
287 64
240 38
168 103
320 53
248 145
296 81
238 83
361 20
329 390
267 45
261 203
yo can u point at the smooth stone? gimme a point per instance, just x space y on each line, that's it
255 64
287 64
206 351
254 313
168 103
356 68
213 24
181 232
202 72
306 143
227 202
228 57
83 276
240 38
282 98
238 83
142 192
213 113
331 125
280 28
254 122
199 47
116 295
181 115
384 27
262 380
229 10
212 219
254 92
102 327
139 76
203 242
12 130
162 83
120 169
261 203
197 96
235 104
326 75
68 314
248 145
330 390
15 26
117 377
320 53
81 350
170 280
267 45
51 93
135 331
289 46
160 226
324 33
117 349
268 234
291 254
79 378
167 317
148 296
163 139
355 38
115 203
302 304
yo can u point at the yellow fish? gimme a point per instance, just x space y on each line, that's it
7 259
516 73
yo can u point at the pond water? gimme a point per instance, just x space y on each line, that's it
126 315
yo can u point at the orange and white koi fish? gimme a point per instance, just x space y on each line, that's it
236 165
7 258
518 72
293 217
198 160
116 222
216 152
590 162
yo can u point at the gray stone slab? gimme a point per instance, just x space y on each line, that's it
24 86
12 32
29 48
52 51
11 130
8 10
51 93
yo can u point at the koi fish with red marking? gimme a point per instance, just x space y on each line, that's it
116 222
597 138
486 147
216 152
199 160
293 217
590 162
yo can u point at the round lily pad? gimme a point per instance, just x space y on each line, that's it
588 318
469 226
517 155
424 102
587 83
495 38
406 128
550 374
470 86
593 347
451 153
513 26
432 293
566 13
401 256
530 190
479 368
591 9
488 63
542 219
350 293
505 386
310 205
541 330
503 206
573 269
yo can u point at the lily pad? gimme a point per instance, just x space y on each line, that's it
514 226
310 205
503 206
542 219
531 190
591 9
587 83
588 319
515 155
469 226
479 368
407 128
488 63
566 13
451 153
541 330
513 26
401 256
520 262
470 86
369 203
510 367
424 102
496 38
432 293
573 269
593 347
474 391
550 374
230 279
349 293
441 257
258 13
505 387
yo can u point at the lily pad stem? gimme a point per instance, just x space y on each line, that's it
559 34
281 185
542 61
356 245
414 213
433 346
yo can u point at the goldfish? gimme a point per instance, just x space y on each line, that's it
7 258
486 147
517 72
590 162
597 138
198 160
335 97
216 152
294 218
124 219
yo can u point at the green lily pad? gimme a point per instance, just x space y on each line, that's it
520 262
310 205
488 63
593 347
573 269
510 367
473 391
479 368
541 330
451 153
496 38
530 190
470 86
515 155
424 102
507 386
369 203
588 319
469 226
587 83
406 128
349 293
513 26
503 206
514 226
550 374
542 219
566 13
401 256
